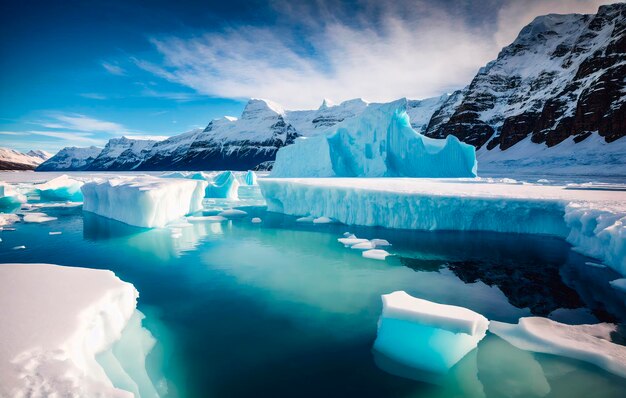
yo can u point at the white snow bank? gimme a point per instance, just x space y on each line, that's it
38 217
589 343
9 196
225 185
379 142
427 336
592 220
61 188
144 201
57 322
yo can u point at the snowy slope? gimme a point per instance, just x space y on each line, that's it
121 154
71 158
14 160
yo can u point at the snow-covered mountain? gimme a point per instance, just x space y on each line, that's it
559 84
14 160
71 158
121 154
562 77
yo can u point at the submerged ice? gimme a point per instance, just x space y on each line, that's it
378 143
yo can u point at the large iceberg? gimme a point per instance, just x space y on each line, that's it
592 220
61 188
144 201
378 143
70 331
589 343
427 336
225 186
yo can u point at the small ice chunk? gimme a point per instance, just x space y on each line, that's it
425 335
323 220
589 343
376 254
8 219
38 217
619 284
256 220
597 265
250 178
19 247
543 181
367 245
307 219
206 218
348 235
55 233
233 213
351 241
380 242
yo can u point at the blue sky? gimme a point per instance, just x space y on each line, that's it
76 73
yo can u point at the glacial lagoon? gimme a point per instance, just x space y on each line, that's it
280 308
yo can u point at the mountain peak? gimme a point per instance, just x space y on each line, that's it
261 108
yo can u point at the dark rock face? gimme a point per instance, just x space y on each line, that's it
562 77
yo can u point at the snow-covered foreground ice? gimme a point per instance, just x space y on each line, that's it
144 201
378 143
593 220
589 343
427 336
70 332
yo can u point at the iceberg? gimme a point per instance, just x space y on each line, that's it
144 201
69 331
589 343
427 336
250 178
592 220
380 142
375 254
9 196
61 188
225 185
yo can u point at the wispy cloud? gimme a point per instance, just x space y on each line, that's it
72 137
95 96
387 50
113 69
82 123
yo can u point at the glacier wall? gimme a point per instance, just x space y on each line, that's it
378 143
582 217
144 201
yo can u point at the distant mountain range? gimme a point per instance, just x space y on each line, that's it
555 97
14 160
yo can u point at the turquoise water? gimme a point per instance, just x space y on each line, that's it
281 309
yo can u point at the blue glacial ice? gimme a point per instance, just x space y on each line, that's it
593 221
61 188
378 143
9 196
427 336
225 186
144 201
250 178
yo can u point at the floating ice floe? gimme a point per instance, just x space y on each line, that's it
323 220
55 233
376 254
380 142
9 196
8 219
37 218
61 188
307 219
206 218
368 245
233 213
619 284
144 201
593 221
427 336
589 343
351 241
22 247
256 220
380 242
93 344
225 185
594 264
250 178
